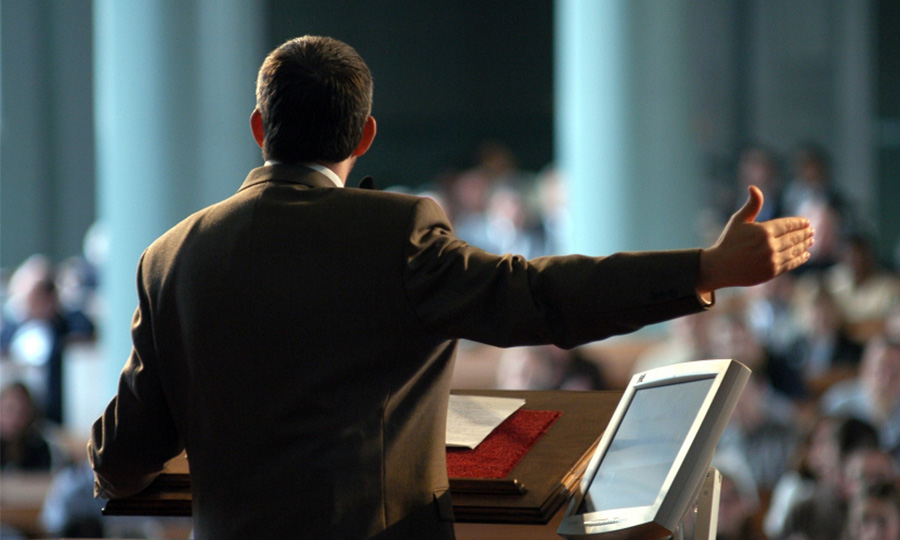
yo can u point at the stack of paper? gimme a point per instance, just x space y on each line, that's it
470 419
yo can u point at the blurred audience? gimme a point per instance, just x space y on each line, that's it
866 466
761 430
812 180
824 352
758 166
813 459
823 515
863 290
77 281
552 208
23 445
547 368
70 509
812 193
875 513
686 338
36 328
772 317
874 395
492 205
739 501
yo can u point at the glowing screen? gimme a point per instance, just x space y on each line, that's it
644 448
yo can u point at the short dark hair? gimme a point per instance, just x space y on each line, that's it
886 491
854 434
314 95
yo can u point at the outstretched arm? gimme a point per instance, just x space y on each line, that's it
749 253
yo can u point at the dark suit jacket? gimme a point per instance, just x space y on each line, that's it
298 340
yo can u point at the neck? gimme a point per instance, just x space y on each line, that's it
341 168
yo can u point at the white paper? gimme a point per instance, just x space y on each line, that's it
470 419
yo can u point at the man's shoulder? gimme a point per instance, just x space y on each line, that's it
190 225
389 196
400 205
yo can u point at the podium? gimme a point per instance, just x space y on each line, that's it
531 493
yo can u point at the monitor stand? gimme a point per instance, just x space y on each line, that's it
702 518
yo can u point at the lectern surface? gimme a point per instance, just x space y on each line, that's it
532 492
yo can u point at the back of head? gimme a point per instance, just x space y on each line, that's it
314 95
853 434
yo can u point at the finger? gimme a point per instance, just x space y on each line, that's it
797 250
794 257
751 208
802 237
781 226
793 262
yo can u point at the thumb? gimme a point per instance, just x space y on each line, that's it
751 208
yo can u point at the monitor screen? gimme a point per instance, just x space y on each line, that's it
645 445
654 455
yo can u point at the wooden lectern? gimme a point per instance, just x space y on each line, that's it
531 494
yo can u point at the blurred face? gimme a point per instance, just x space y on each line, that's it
865 467
749 413
811 169
506 204
827 223
875 519
758 172
881 372
15 413
730 338
825 317
823 453
732 511
42 301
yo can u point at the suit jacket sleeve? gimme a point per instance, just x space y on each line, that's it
459 291
131 442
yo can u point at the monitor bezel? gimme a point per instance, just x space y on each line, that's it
686 476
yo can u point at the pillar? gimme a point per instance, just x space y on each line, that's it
624 142
173 94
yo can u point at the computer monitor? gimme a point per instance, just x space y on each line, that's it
655 453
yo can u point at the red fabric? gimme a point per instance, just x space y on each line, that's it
502 450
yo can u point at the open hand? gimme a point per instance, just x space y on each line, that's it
749 253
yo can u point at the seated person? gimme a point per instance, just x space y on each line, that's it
22 446
875 513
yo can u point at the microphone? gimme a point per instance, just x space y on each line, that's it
367 182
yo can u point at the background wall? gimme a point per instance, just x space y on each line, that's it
887 112
46 128
451 74
448 75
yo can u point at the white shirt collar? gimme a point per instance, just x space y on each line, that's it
331 175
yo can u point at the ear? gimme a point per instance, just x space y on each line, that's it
256 125
367 138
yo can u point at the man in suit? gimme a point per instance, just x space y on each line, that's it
297 338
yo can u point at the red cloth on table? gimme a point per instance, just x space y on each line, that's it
502 450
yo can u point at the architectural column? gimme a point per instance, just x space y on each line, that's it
173 94
46 147
624 140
